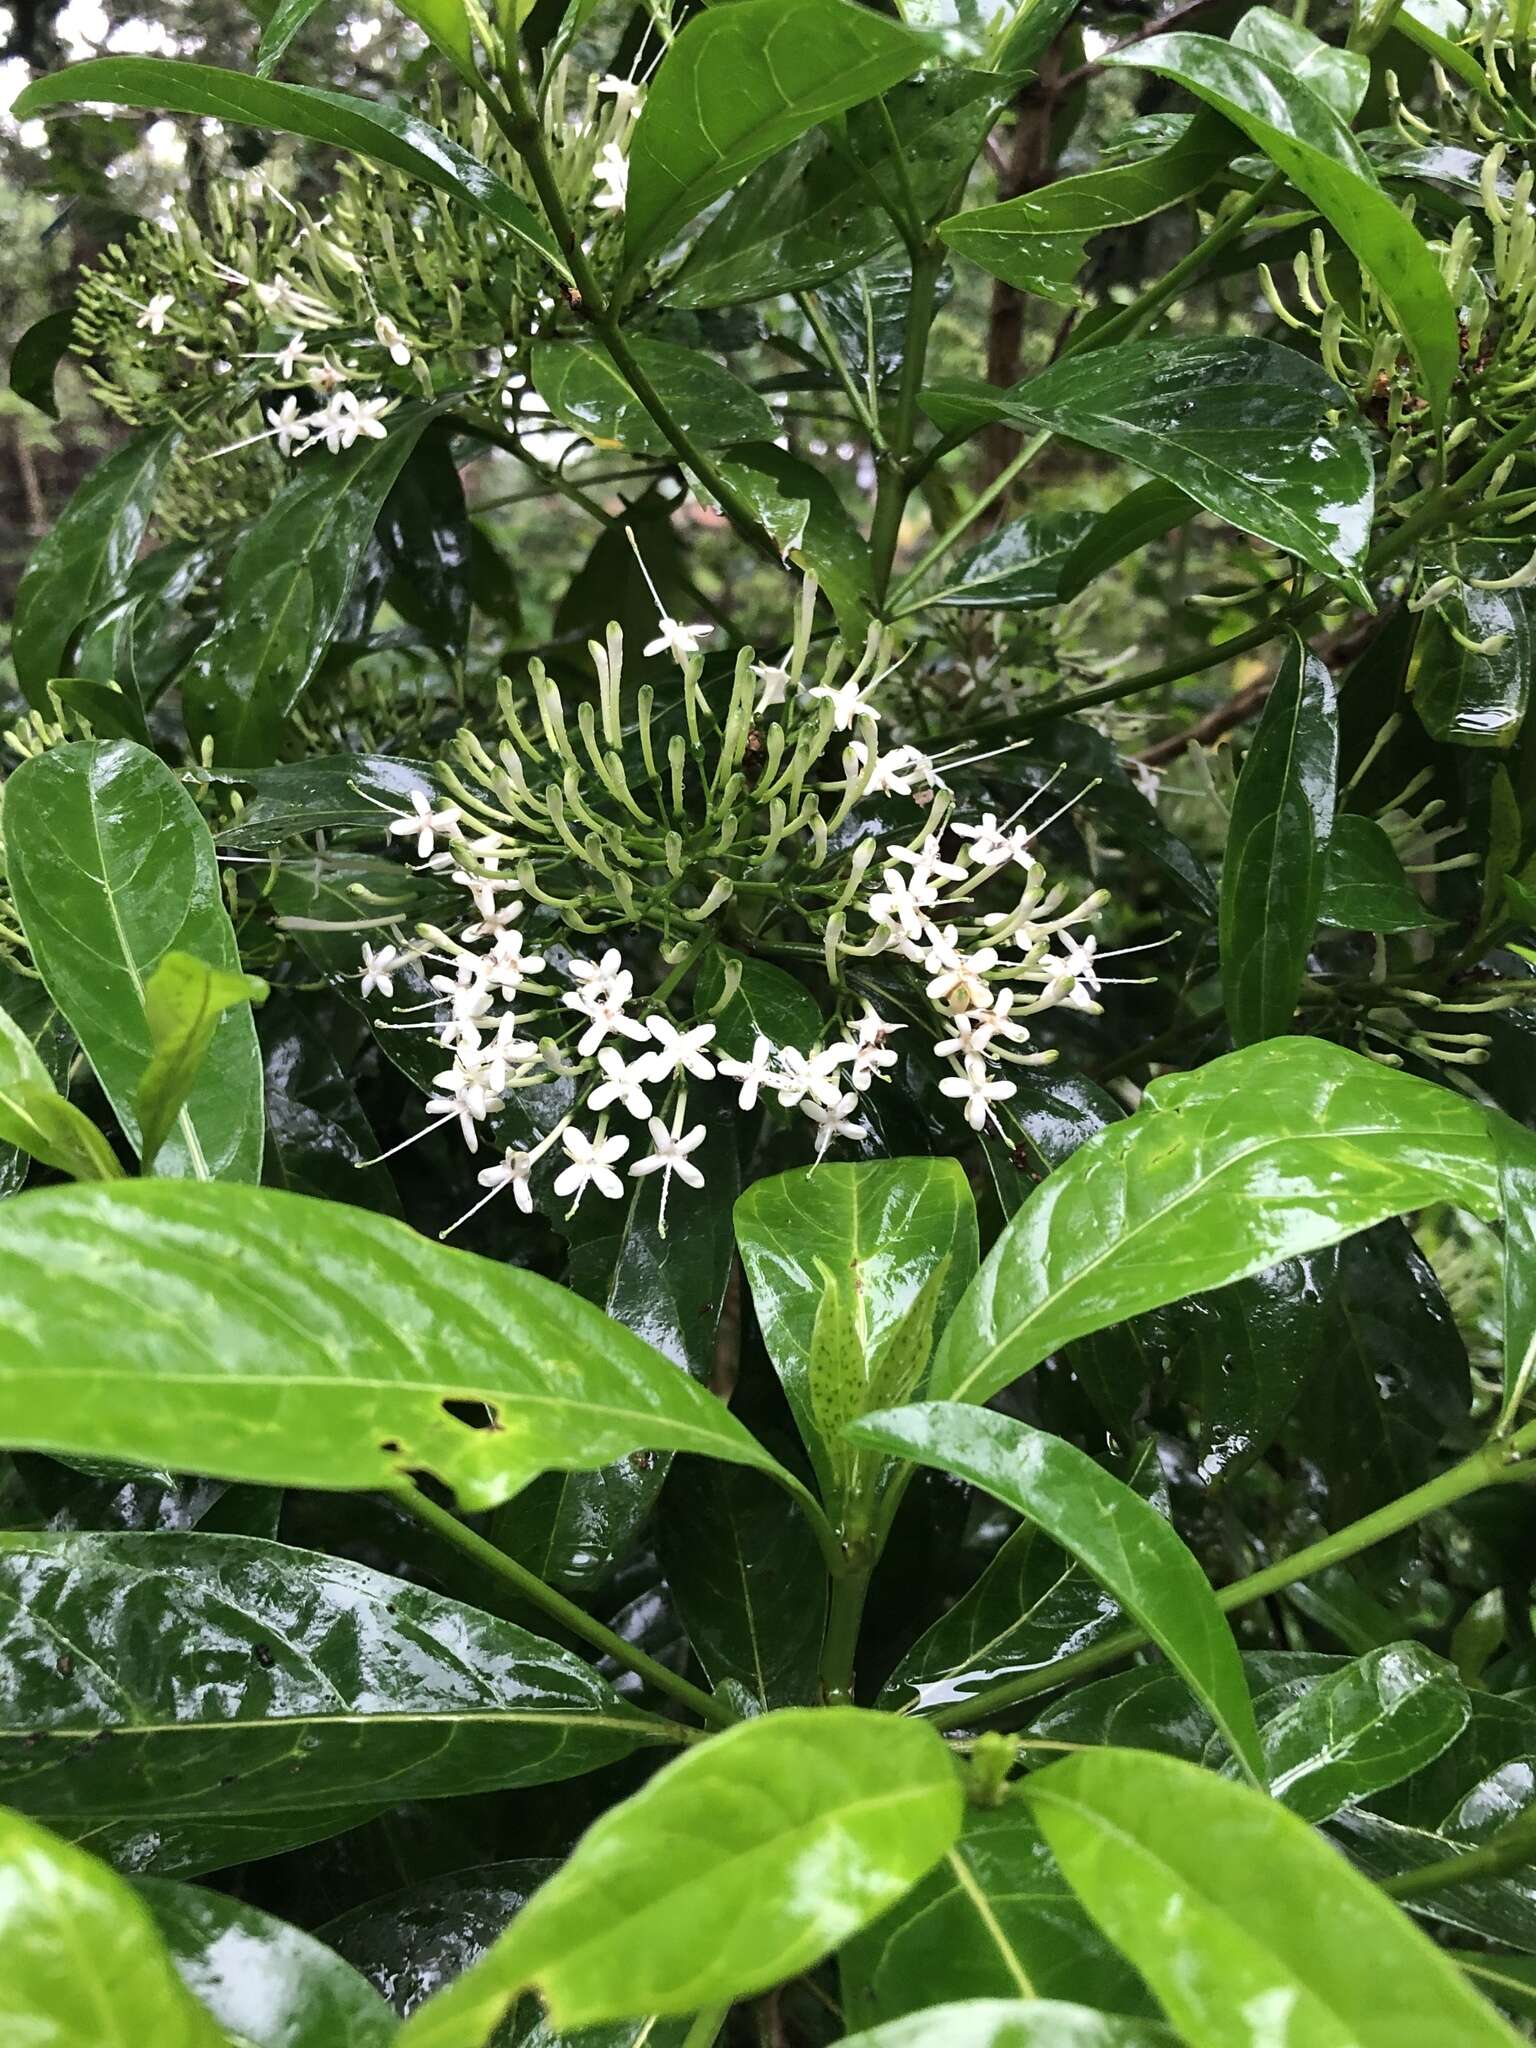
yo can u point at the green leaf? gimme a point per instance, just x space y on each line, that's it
582 385
896 1237
230 1677
83 1963
1005 2023
318 1136
183 1001
36 358
39 1121
995 1920
1516 1152
286 19
801 508
1231 1908
1127 1545
111 868
1038 242
323 793
1255 433
285 592
1302 135
85 558
747 1578
1359 1730
1018 568
370 128
425 533
1146 514
1474 700
737 84
1194 1174
1340 78
740 1864
268 1983
393 1346
1272 877
768 1003
446 24
1364 886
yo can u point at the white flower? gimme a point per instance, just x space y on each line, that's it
678 1052
380 968
977 1091
959 978
1075 962
605 970
847 701
512 1172
992 845
153 315
281 300
834 1119
388 335
466 1094
507 966
622 1082
775 681
928 864
753 1074
346 416
592 1162
869 1053
326 374
669 1153
290 427
682 641
626 93
612 172
466 992
506 1051
289 356
426 824
605 989
902 905
808 1077
897 773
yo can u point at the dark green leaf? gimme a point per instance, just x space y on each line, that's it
225 1676
739 83
1152 1708
1303 136
1497 1909
802 510
425 534
740 1864
582 385
36 358
1231 1906
393 1344
1361 1729
1127 1545
768 1003
183 1001
1243 1356
83 1963
1194 1173
111 868
371 128
266 1982
1272 876
1018 568
1005 2023
1516 1150
86 557
1364 887
1475 700
1146 514
411 1943
286 19
1255 433
317 1133
323 793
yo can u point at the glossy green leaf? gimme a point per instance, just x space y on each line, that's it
36 357
322 793
1038 242
1277 841
1127 1545
1495 1909
1364 886
1255 433
285 593
318 1135
1181 1197
84 1967
1516 1150
584 387
1150 1706
801 508
739 83
740 1864
1018 568
268 1983
371 128
411 1942
1340 78
112 868
124 1336
1475 700
85 558
284 23
1303 136
197 1677
768 1003
183 1001
995 1919
892 1240
1006 2023
424 530
37 1120
1233 1908
748 1580
1361 1729
1146 514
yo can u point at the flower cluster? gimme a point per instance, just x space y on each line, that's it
711 838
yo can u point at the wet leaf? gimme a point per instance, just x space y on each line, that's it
1002 2023
183 1001
584 387
1364 886
1018 568
1474 699
39 1122
1146 514
1358 1730
1516 1151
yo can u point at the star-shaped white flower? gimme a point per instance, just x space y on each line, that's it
154 314
611 171
380 966
348 417
753 1074
1075 962
808 1077
678 1052
669 1154
847 701
977 1091
426 825
291 428
621 1082
511 1171
834 1119
682 641
388 335
592 1163
775 681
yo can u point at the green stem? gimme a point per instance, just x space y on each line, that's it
529 1587
840 1644
956 532
706 2027
817 320
896 474
1496 1462
1512 1850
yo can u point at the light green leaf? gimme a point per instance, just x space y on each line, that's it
183 1001
1272 877
84 1967
1255 433
1127 1545
183 1677
740 1864
370 128
1341 78
582 385
1303 136
1008 2023
1516 1150
1277 1150
38 1120
740 82
111 868
1242 1919
446 23
141 1327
